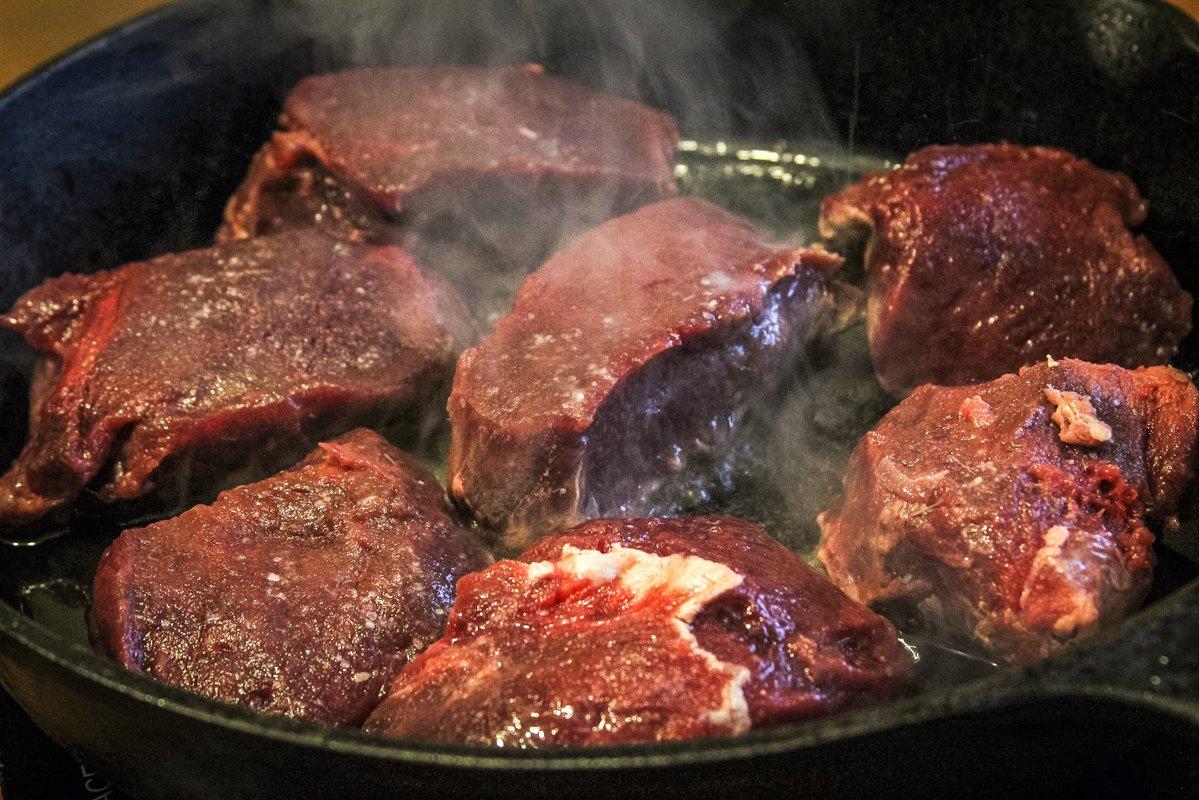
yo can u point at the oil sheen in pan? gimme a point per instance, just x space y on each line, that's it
788 477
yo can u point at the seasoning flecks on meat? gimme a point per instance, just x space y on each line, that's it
986 258
637 630
221 363
627 368
1024 528
300 595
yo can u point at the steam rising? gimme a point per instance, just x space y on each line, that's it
721 72
717 67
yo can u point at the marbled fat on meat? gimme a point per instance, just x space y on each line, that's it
236 355
987 258
637 630
649 342
985 513
301 595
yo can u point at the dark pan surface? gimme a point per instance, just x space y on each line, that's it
129 147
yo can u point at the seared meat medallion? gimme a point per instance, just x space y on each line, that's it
628 368
643 630
1013 513
987 258
221 365
300 595
360 148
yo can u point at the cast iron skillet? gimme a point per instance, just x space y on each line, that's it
128 147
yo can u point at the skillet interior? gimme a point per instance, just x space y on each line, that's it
128 148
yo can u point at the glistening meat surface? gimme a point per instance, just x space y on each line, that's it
1013 515
300 595
643 630
986 258
629 367
220 361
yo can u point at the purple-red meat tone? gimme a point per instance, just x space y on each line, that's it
300 595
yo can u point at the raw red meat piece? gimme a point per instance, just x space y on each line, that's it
641 630
219 360
1014 512
361 147
628 367
300 595
987 258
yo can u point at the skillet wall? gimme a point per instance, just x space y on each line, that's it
130 149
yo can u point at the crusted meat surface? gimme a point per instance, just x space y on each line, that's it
300 595
216 361
629 365
363 146
642 630
986 258
990 515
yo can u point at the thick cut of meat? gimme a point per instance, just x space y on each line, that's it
1014 511
361 147
300 595
627 368
236 355
641 630
987 258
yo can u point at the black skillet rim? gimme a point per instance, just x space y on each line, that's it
1030 686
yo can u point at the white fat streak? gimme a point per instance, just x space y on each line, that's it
1049 557
695 580
733 711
